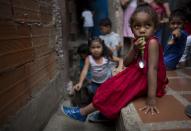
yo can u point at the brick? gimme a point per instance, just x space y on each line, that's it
26 15
6 10
14 44
29 4
13 100
42 50
52 68
40 31
46 18
38 78
37 41
8 79
15 58
40 71
11 30
36 65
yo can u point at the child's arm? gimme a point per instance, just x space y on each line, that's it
83 74
120 62
133 51
167 8
115 44
124 3
130 56
176 34
119 67
153 58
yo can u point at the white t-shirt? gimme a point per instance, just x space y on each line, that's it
111 40
133 3
100 72
88 18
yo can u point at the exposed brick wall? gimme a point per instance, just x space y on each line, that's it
27 52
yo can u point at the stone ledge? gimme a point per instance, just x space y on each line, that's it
171 107
130 120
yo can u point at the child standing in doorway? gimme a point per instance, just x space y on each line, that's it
88 22
134 81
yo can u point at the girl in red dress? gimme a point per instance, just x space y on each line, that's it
137 79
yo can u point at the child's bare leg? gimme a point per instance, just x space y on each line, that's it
87 109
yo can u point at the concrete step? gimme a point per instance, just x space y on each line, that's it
171 107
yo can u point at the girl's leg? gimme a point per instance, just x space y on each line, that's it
87 109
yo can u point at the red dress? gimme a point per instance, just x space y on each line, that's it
118 91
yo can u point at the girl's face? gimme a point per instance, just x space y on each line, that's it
96 49
143 25
176 23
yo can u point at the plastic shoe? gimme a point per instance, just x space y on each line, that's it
74 113
188 111
97 117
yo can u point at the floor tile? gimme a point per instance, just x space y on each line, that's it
175 130
170 110
174 73
180 84
187 96
186 71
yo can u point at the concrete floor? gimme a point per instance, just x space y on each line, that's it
59 122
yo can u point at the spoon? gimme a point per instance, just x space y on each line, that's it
141 62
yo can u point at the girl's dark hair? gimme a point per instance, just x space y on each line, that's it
159 1
144 7
180 13
105 22
106 51
83 49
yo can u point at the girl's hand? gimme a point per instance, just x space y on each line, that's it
175 34
140 43
78 86
150 107
116 71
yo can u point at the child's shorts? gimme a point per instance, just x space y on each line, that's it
92 87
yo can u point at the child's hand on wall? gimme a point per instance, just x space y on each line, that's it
78 86
115 71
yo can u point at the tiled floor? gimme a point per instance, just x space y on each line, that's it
172 105
170 110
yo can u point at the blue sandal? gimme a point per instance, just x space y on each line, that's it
74 113
97 117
